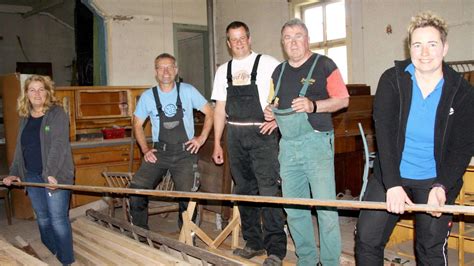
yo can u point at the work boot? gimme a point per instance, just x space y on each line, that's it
247 252
272 260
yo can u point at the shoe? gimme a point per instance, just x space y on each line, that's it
272 260
247 252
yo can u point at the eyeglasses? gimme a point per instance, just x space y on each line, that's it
297 38
163 68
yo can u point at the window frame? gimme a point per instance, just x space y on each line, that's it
325 45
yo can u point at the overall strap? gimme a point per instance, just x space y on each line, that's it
157 100
229 73
178 99
279 79
253 76
310 73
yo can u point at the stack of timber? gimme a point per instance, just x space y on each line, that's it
94 244
10 255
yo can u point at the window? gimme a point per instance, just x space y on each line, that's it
326 24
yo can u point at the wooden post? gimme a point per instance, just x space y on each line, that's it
236 229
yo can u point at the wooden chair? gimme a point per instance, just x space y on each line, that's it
5 194
123 180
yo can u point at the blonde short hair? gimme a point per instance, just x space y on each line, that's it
428 19
24 105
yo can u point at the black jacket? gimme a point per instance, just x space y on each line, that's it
454 126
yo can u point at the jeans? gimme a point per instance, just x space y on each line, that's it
253 159
149 175
375 227
52 213
307 169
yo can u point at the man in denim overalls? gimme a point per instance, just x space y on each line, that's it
308 88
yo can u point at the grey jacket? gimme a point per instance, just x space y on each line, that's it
56 151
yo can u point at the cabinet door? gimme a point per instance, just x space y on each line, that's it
91 175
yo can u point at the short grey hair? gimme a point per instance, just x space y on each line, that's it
294 22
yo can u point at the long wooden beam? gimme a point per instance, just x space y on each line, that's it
206 255
260 199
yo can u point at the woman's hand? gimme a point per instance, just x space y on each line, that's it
53 181
9 179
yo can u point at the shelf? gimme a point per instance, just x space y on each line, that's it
102 104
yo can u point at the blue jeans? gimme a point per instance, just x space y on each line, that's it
307 169
52 213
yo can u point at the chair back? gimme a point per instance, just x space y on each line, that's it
118 179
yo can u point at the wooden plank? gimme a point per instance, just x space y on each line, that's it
84 255
26 247
171 243
349 204
236 230
10 255
123 253
201 234
224 233
106 254
122 244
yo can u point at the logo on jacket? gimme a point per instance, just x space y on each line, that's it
451 111
170 110
46 128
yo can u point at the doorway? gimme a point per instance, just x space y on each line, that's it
191 46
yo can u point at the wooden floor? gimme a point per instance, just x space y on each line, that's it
167 226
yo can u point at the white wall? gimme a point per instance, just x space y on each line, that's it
264 18
137 31
373 50
43 38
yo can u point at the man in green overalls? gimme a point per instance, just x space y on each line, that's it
309 87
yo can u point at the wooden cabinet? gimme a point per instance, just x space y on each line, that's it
101 104
349 150
91 162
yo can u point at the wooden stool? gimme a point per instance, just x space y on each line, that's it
5 194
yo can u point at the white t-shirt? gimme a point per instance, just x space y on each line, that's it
241 70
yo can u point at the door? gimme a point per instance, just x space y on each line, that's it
191 46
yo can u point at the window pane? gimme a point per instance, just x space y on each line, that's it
318 51
336 21
339 56
313 18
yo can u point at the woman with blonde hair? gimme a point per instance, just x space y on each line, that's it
43 155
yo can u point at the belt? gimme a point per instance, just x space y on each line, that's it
244 123
169 147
